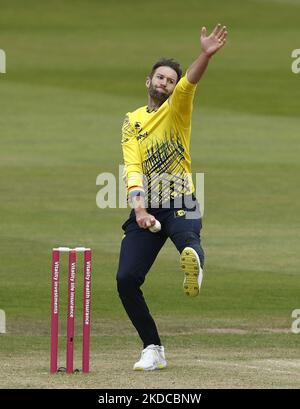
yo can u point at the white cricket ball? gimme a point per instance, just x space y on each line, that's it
156 227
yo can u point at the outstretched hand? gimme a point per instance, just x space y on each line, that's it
212 43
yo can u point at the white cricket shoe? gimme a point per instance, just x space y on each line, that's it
193 273
152 357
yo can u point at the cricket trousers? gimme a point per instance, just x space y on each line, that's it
182 224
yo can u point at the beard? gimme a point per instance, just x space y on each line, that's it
158 96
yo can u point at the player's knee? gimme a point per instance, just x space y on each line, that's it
189 239
126 282
186 239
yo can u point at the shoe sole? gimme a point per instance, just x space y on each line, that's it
152 368
190 264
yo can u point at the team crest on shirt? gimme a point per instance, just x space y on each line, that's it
138 127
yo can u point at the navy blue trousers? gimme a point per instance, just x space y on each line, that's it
140 248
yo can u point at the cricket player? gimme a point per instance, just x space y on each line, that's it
156 151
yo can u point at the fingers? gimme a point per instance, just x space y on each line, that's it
222 34
216 30
222 40
203 32
221 43
146 222
152 221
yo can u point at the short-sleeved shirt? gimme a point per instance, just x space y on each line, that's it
156 147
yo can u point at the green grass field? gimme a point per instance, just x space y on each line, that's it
74 69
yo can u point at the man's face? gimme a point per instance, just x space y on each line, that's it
162 84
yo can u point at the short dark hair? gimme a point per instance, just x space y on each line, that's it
167 62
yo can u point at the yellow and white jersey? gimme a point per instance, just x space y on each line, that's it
156 147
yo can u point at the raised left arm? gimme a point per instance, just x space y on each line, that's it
209 45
